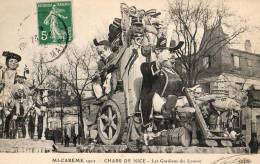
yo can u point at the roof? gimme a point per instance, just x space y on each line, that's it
245 52
234 78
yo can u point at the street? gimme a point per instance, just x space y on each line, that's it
62 149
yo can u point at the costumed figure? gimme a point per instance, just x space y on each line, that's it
161 85
7 82
106 81
16 93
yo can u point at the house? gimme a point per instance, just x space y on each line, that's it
228 72
66 103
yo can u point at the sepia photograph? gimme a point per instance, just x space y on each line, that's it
130 81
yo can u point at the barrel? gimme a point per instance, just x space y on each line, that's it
179 137
161 140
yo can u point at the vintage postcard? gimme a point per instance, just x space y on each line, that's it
130 81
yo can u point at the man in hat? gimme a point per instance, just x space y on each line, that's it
114 35
254 144
164 54
7 81
136 32
152 26
108 75
8 75
103 51
160 86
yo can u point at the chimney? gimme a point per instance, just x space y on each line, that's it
248 46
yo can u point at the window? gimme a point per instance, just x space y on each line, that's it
236 61
55 125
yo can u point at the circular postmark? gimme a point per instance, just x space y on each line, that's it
28 41
45 34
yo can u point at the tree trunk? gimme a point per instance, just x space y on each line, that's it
191 79
81 132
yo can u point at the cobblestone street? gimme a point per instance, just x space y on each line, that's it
62 149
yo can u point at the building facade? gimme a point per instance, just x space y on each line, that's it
235 71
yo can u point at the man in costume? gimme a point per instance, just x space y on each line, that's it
7 81
160 83
160 87
105 83
8 76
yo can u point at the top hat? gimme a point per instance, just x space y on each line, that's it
152 13
11 55
117 22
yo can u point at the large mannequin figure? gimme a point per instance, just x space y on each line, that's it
160 84
7 76
7 81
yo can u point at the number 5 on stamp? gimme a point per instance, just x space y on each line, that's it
54 22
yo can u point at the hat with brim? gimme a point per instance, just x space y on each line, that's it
11 55
161 44
20 76
101 43
173 48
152 13
157 25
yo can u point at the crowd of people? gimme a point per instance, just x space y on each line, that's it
67 140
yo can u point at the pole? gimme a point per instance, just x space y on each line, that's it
79 134
251 117
61 109
47 119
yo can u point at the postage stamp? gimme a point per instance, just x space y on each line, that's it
141 82
54 22
51 34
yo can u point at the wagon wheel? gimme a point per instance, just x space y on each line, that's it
110 123
12 129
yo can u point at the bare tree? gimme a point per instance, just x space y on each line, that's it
39 73
190 21
76 73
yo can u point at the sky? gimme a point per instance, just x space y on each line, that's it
92 17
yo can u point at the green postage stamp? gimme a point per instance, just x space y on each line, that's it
54 22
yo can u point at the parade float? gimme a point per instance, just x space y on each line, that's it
129 84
